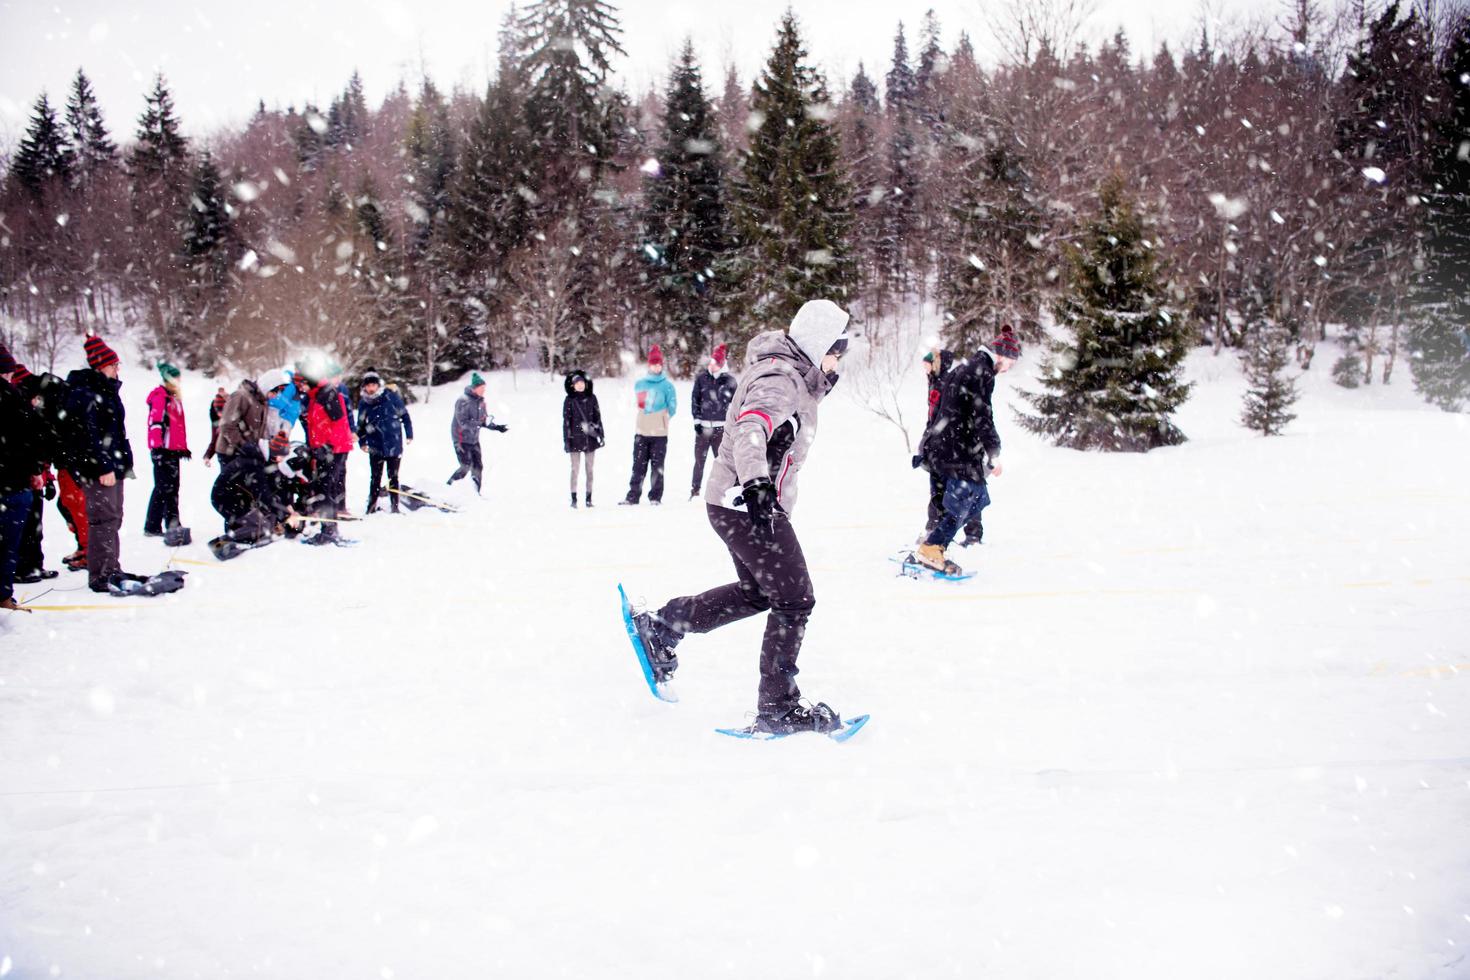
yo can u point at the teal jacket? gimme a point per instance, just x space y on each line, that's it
656 394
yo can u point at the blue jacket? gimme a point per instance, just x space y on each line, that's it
661 395
288 406
382 421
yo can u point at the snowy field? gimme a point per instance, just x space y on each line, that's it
1204 713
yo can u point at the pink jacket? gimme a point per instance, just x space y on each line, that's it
166 421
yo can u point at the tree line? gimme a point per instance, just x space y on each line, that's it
1274 185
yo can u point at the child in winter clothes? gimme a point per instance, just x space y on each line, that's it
329 435
713 391
581 427
469 418
382 423
168 444
657 404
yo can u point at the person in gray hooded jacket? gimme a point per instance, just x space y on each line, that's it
769 430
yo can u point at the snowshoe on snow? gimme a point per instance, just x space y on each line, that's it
650 644
225 547
418 500
178 537
819 718
913 565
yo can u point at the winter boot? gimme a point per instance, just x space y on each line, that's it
658 642
587 500
932 556
574 500
799 718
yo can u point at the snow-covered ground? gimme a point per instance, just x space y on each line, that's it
1204 713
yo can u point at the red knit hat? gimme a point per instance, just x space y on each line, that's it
99 355
7 362
718 356
21 374
1006 344
655 356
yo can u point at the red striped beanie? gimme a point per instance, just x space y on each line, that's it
99 355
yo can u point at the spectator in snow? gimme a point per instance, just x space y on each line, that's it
713 390
242 492
382 424
329 436
102 456
216 409
581 427
657 404
21 455
168 445
469 418
45 393
961 445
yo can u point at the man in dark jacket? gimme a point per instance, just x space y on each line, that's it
242 492
713 391
961 445
20 472
581 427
101 456
936 365
46 395
469 418
382 424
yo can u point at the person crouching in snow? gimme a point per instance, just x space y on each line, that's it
657 404
469 418
168 445
772 424
382 424
242 494
581 427
960 444
713 390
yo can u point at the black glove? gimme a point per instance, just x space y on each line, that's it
493 427
50 492
918 461
761 504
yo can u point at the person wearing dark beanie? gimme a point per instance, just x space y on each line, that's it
101 456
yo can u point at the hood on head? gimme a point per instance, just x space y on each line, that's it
816 327
572 378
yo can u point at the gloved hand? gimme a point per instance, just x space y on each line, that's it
760 503
918 461
495 427
50 491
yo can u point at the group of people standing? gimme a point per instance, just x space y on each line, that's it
656 403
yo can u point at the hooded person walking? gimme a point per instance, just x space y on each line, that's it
581 427
772 424
657 404
469 418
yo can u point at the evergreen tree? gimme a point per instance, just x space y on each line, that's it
792 205
206 258
1271 391
901 203
864 120
91 143
44 159
160 149
566 52
685 234
1116 386
1439 340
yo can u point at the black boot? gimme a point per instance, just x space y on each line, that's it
799 718
587 501
658 642
574 500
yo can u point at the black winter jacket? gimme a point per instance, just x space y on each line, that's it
21 442
712 395
961 433
46 393
581 417
98 436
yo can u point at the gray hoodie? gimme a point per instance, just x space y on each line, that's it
772 420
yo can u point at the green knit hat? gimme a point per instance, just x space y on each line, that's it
476 380
168 372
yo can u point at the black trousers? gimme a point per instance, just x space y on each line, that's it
974 530
376 465
707 439
770 577
470 462
31 558
104 520
648 451
163 506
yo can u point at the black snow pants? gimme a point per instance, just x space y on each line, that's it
470 461
707 440
771 576
648 453
376 465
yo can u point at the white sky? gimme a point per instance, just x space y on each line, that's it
220 58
